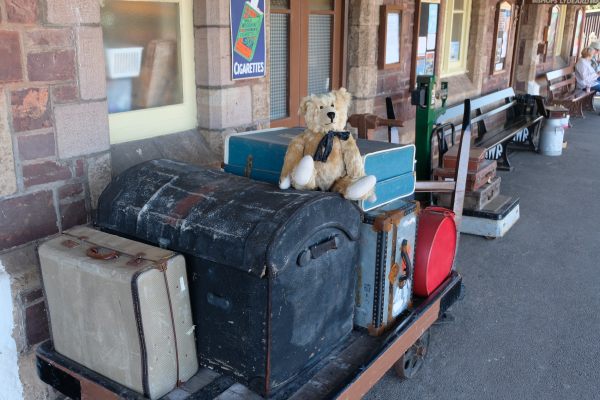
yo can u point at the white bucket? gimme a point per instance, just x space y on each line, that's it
551 137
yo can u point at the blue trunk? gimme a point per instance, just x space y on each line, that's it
259 155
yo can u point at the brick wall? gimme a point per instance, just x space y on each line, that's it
54 143
224 105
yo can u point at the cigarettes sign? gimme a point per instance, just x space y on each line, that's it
248 53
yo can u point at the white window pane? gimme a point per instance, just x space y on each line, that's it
141 43
456 37
323 5
319 53
279 65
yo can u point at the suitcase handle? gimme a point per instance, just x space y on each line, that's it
317 250
97 253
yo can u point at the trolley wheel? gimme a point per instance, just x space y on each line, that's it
490 237
411 362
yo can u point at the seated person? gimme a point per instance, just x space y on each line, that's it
587 78
595 46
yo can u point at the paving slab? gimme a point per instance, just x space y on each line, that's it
529 325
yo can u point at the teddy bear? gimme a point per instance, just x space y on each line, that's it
324 156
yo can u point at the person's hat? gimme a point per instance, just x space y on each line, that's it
595 45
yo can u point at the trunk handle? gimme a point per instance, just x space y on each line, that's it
318 250
97 253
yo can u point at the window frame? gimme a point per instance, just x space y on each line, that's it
157 121
450 68
578 38
386 10
416 32
551 50
299 12
493 70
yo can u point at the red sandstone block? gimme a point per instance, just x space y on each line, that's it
30 109
51 65
45 172
22 11
79 168
36 146
10 57
36 323
49 38
73 214
70 190
26 218
65 93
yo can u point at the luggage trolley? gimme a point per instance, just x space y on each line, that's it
348 372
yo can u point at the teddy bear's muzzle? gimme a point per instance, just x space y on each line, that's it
331 115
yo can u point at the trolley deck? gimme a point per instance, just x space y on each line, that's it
347 373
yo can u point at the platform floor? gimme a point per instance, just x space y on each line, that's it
529 325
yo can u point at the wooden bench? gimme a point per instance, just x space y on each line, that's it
521 123
563 91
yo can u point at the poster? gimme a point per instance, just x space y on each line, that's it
421 65
429 62
248 55
392 45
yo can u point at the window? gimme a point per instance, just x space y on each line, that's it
456 37
149 51
390 36
577 34
502 36
305 53
552 30
425 47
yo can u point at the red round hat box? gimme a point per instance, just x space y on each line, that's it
434 250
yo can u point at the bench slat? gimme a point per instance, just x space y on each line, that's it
495 137
458 110
493 112
559 73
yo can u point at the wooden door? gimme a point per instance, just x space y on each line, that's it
306 53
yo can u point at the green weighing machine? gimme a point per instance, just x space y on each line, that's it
492 219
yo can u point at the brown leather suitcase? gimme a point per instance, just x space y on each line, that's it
476 157
475 180
477 199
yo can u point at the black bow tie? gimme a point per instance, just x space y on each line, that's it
326 144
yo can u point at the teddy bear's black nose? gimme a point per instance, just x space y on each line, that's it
331 115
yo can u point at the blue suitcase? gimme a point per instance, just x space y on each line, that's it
259 155
385 273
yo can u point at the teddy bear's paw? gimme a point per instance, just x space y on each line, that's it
303 171
285 183
359 189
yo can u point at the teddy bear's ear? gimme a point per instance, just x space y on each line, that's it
343 97
304 103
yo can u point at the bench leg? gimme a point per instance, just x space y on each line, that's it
504 163
534 133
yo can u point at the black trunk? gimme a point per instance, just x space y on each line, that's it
271 272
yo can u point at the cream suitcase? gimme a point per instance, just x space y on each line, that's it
120 308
